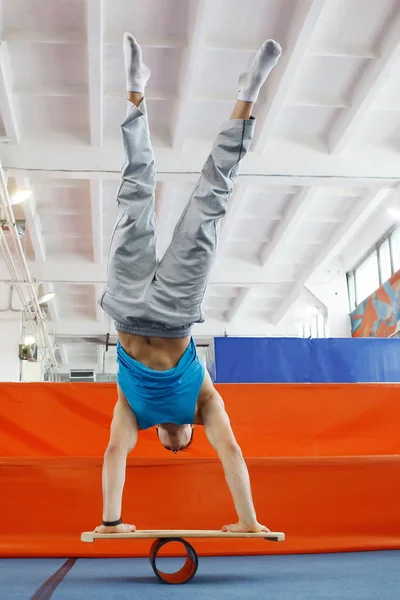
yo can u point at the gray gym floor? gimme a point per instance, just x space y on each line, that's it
355 576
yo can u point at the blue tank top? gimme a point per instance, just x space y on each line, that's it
161 396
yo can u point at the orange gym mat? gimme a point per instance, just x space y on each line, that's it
324 462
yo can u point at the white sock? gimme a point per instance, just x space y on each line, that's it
264 61
137 74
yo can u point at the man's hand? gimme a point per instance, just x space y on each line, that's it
122 528
240 528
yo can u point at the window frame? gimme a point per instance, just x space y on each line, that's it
379 249
391 235
351 274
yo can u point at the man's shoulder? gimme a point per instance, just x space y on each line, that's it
208 395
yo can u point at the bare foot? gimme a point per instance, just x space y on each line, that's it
123 528
240 528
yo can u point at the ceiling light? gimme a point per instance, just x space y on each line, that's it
29 339
20 196
46 298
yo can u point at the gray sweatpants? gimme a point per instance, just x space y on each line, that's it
162 298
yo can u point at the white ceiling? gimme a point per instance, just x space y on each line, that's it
325 161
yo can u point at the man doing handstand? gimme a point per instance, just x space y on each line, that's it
154 303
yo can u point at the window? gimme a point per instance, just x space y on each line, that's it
351 287
385 266
367 277
395 247
375 269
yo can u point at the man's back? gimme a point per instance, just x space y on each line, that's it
160 354
165 395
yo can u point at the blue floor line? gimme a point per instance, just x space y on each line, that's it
20 578
47 589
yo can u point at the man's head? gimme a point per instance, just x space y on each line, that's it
175 437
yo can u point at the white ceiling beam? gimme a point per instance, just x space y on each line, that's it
361 212
303 21
235 205
294 215
7 105
62 349
77 328
74 37
318 49
55 91
297 208
294 168
32 219
34 229
96 207
228 272
114 39
43 37
199 20
259 181
372 81
71 184
238 303
151 94
255 326
94 32
65 90
338 50
72 91
318 100
52 305
171 41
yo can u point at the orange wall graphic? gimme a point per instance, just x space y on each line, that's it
378 315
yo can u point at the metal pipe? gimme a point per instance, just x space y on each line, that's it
21 278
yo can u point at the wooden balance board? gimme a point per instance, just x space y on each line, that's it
164 536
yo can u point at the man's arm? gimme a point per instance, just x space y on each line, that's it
123 438
220 435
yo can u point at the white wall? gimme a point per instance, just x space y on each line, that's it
330 287
31 371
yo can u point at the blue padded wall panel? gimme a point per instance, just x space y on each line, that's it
298 360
